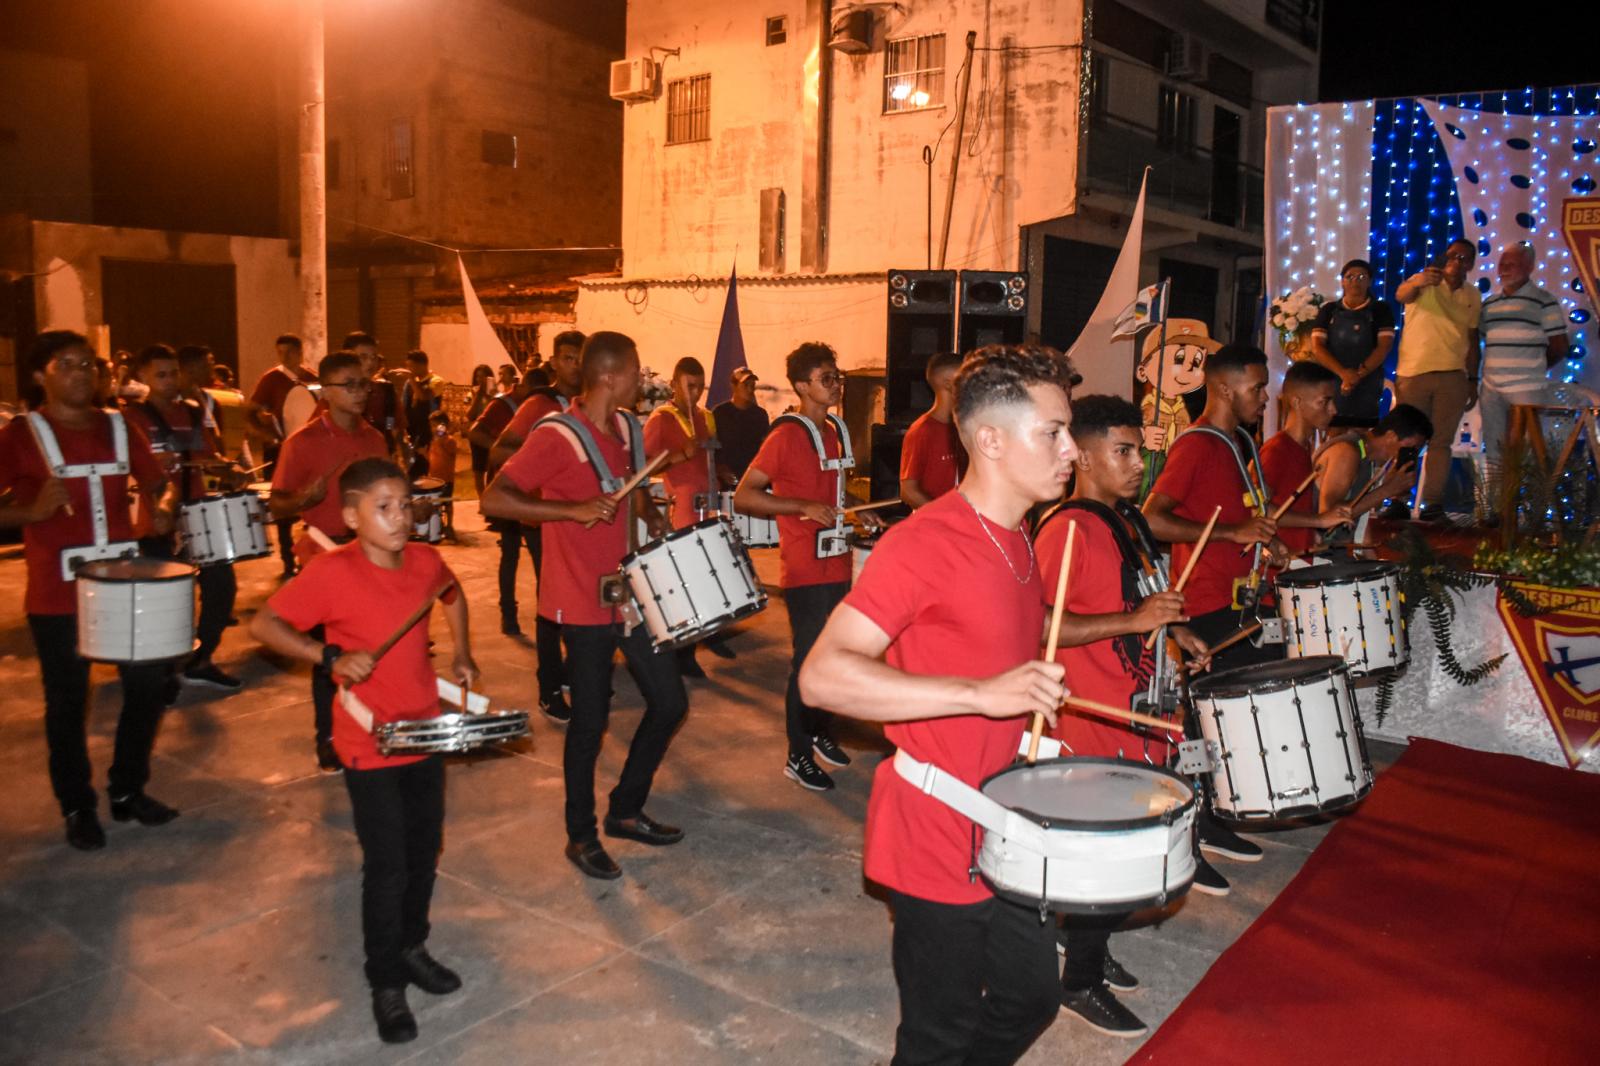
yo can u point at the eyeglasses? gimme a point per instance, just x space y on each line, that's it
1358 275
358 385
828 379
76 366
1459 257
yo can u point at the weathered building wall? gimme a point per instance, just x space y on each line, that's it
44 152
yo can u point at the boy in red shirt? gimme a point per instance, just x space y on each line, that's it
931 457
939 640
54 501
358 595
1311 394
563 476
799 477
308 469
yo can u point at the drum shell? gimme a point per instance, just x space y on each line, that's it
1289 736
1098 867
754 530
430 529
223 529
1352 610
693 582
450 733
135 610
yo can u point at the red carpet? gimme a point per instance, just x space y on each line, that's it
1454 918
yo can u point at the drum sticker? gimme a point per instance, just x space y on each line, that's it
1560 650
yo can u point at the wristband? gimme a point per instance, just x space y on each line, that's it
330 655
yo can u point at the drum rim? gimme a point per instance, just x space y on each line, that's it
1120 906
1148 821
699 633
1298 579
416 486
189 574
1211 684
679 534
212 497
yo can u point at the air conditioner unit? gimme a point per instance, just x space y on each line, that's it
852 32
1186 57
633 79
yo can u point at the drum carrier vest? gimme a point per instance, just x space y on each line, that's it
50 450
833 541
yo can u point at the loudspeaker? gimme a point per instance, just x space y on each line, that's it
922 306
994 308
884 471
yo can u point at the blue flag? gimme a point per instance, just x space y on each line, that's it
730 347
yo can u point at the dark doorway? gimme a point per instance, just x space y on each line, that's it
1224 166
1075 274
1194 291
1246 305
146 302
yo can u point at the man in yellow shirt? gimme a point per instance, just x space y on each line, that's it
1439 356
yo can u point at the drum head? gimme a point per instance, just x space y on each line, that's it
1335 573
1091 793
427 486
1268 677
702 526
137 569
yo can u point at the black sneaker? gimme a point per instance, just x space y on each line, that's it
801 769
829 751
1220 840
556 708
510 626
327 758
1117 976
428 973
84 831
1100 1009
209 674
138 807
396 1025
1207 880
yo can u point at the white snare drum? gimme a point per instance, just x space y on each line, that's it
1348 609
299 406
1286 738
135 610
453 732
430 491
693 582
861 545
756 532
1117 835
223 529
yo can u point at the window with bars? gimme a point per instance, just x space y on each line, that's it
399 174
689 109
913 73
1175 124
777 30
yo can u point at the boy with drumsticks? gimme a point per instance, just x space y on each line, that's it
362 594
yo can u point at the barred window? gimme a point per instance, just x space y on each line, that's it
399 177
689 109
1175 121
777 30
913 73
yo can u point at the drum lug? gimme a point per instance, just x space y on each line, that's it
1197 756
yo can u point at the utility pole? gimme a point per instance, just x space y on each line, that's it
313 188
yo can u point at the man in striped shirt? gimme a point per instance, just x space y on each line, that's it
1524 335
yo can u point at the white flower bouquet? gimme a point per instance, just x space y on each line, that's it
1294 312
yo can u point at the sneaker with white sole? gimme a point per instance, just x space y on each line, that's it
803 770
1099 1008
1207 880
1220 840
1117 975
828 750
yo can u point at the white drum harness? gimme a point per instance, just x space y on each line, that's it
95 473
832 541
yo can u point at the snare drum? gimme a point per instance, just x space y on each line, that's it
1348 609
1117 835
452 733
223 529
135 610
430 491
262 489
755 531
1286 738
691 583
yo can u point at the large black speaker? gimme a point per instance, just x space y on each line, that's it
922 305
994 308
884 470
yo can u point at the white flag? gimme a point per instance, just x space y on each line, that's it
1105 362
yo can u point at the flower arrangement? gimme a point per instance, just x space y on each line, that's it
654 390
1294 311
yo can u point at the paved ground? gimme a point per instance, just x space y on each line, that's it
232 935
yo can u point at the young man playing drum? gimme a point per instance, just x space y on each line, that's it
304 484
359 596
567 475
1311 397
931 456
74 504
940 640
799 477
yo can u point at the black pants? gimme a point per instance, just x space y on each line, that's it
809 608
322 690
1087 938
589 654
514 537
399 818
1214 626
66 711
977 981
285 525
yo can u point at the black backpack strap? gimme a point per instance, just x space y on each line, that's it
1119 532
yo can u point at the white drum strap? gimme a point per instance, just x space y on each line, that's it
968 801
846 460
50 448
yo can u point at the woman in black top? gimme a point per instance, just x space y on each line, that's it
1352 337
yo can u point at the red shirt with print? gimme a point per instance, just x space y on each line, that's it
1201 475
23 471
1109 671
1285 462
933 455
665 431
552 463
322 449
952 606
790 462
361 603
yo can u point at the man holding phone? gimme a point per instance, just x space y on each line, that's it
1439 356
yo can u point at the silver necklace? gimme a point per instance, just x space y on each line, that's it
1027 572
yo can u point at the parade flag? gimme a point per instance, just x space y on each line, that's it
1560 650
730 346
1149 308
484 344
1105 362
1580 227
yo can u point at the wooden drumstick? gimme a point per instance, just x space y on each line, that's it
1295 495
1107 711
1236 637
633 482
1037 729
1188 568
416 616
870 506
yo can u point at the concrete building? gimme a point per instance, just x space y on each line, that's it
794 138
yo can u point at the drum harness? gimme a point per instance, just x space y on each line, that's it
1256 498
704 503
171 440
834 540
94 473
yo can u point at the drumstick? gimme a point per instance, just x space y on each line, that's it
416 616
321 539
1107 711
870 506
1037 729
1236 637
1295 495
1188 568
633 482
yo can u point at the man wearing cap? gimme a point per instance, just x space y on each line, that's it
1180 369
741 423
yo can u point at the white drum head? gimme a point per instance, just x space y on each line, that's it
1088 793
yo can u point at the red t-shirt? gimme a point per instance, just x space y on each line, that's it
442 461
494 419
273 387
1201 474
952 607
552 463
1106 671
790 462
1285 462
320 448
361 604
663 432
933 455
23 471
533 408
